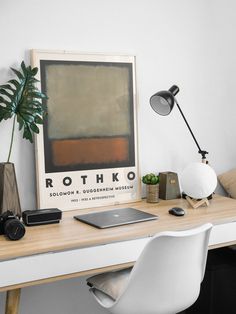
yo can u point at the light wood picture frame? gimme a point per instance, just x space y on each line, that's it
86 152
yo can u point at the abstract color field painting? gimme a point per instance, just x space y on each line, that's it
90 115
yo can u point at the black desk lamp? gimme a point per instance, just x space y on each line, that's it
163 102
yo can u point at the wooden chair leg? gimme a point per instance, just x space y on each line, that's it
12 301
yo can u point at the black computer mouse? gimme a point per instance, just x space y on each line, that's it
177 211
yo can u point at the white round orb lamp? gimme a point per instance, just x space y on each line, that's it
198 180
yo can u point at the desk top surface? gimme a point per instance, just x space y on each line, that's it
71 234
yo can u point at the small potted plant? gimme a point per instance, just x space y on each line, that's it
152 187
21 101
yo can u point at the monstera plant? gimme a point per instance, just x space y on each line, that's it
21 100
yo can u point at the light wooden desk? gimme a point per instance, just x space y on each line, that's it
71 248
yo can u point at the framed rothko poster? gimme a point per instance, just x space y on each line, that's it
86 151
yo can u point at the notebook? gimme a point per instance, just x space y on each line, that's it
115 217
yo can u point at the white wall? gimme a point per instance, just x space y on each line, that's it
190 43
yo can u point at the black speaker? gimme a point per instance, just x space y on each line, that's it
41 216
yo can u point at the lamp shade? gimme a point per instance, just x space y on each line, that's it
163 102
198 180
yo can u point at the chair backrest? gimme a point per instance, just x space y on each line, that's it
167 276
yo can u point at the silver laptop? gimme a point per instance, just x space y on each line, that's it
115 217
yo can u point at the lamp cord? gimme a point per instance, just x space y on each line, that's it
202 152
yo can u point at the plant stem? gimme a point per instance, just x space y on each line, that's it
12 136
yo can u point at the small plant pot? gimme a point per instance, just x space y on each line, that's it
152 193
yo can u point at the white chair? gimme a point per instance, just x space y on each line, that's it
165 279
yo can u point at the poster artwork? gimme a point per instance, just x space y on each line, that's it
86 154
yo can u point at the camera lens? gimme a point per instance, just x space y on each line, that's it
14 229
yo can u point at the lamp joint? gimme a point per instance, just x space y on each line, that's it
203 153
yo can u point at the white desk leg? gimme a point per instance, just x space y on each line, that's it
12 301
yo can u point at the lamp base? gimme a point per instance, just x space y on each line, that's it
197 203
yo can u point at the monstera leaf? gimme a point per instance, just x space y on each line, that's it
22 99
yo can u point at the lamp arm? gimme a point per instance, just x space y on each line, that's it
202 152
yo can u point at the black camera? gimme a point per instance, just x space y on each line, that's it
11 226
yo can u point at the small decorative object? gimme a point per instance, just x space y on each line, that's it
198 181
21 100
169 186
152 187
